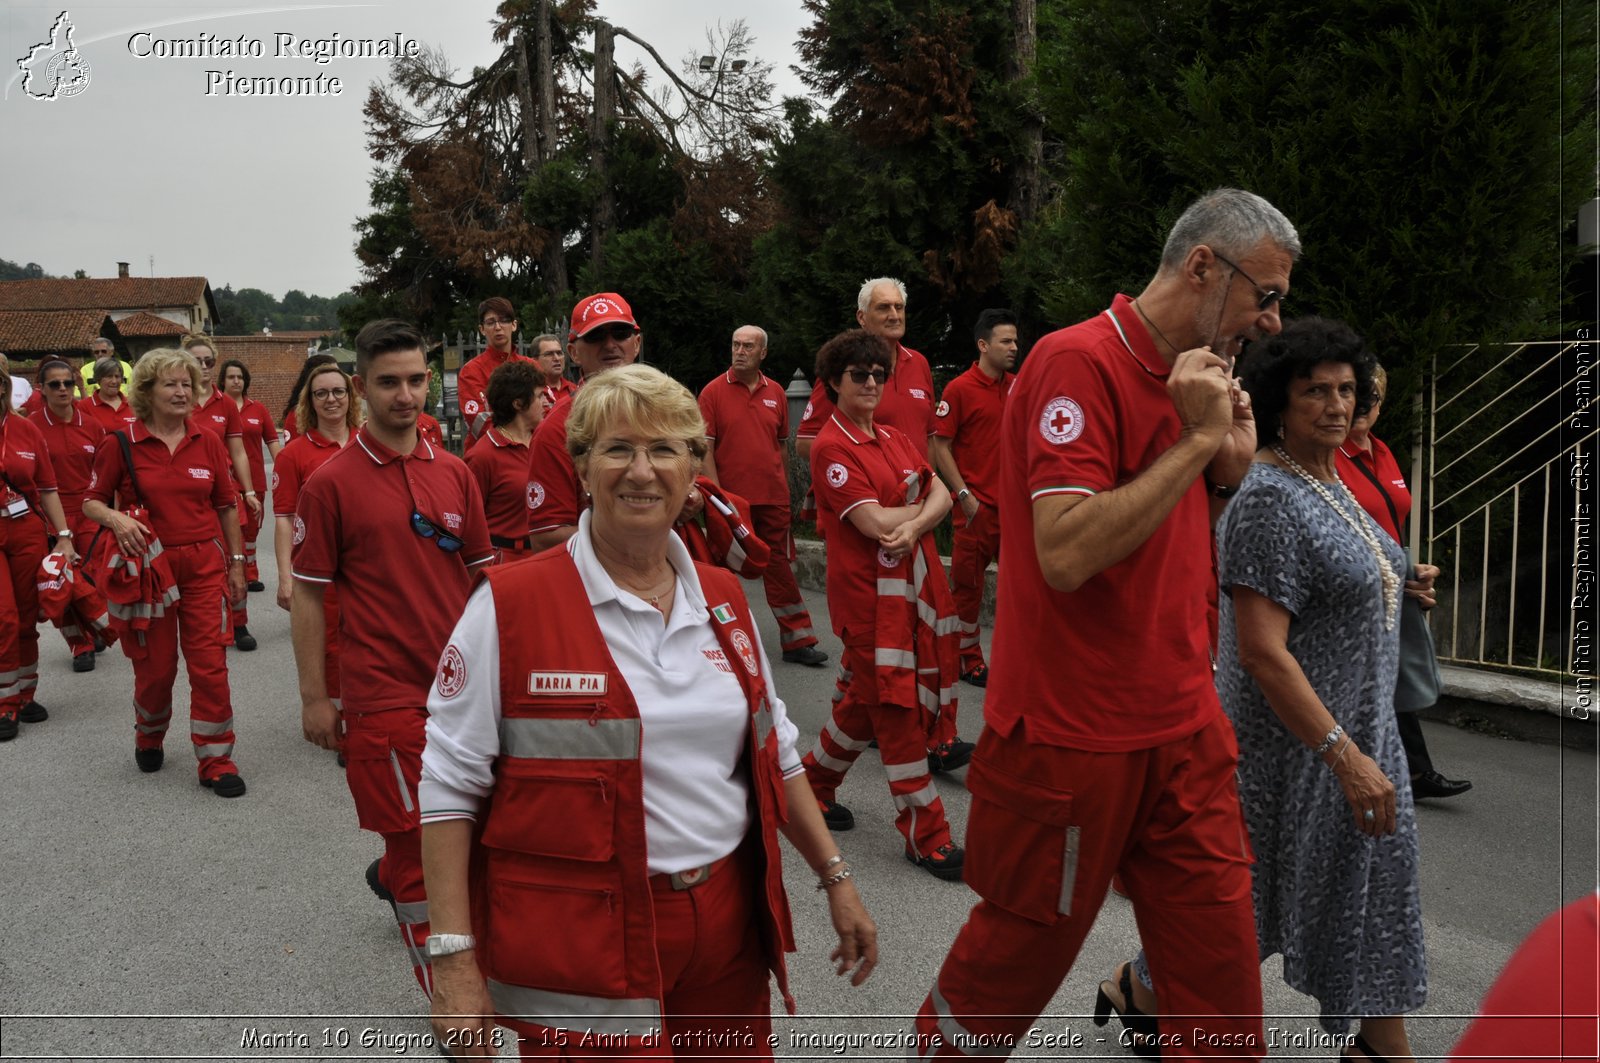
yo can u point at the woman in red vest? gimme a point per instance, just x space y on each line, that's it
604 822
499 458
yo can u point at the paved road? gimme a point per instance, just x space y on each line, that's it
245 926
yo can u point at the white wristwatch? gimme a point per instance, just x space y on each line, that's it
449 944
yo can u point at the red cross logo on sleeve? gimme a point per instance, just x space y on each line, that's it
1061 421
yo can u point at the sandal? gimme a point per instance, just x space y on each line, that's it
1141 1027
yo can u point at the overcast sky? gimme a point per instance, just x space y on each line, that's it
252 192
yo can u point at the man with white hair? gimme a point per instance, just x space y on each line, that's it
907 402
1105 749
747 420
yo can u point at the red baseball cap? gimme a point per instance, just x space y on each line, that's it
603 309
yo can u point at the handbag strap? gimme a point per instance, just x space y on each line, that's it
1393 515
133 478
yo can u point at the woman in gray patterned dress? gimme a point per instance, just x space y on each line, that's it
1309 647
1306 669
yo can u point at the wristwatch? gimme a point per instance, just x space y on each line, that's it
961 495
239 558
449 944
64 533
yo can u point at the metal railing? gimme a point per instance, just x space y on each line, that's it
1508 436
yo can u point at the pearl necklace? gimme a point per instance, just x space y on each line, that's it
1391 579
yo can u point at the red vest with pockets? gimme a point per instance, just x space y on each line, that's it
562 905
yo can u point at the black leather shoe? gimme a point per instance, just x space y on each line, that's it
376 885
805 655
256 585
229 785
978 676
83 662
1432 784
243 639
33 712
943 863
100 644
836 816
950 756
149 760
8 728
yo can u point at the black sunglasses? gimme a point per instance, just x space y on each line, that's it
428 530
861 376
617 331
56 385
1267 298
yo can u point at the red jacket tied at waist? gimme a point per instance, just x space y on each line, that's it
918 644
137 590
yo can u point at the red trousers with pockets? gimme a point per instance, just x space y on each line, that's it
714 977
22 547
249 528
1048 828
197 623
902 734
977 544
383 765
771 525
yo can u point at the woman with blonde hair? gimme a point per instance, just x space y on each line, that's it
626 875
30 512
179 515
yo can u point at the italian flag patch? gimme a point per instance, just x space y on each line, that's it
723 613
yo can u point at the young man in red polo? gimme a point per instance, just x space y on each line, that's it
497 322
747 420
552 359
966 451
390 521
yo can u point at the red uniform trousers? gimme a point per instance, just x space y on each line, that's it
902 734
771 525
977 543
713 973
197 622
249 528
1048 827
383 764
22 547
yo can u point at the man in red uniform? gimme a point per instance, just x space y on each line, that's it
605 335
72 437
218 414
747 419
552 359
389 521
966 451
497 322
908 396
1110 752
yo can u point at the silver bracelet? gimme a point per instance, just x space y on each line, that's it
834 880
1330 741
1342 751
832 861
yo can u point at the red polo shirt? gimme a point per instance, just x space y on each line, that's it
1123 662
290 429
109 418
968 415
258 430
848 469
472 387
399 594
1354 465
302 456
183 488
25 457
907 402
500 466
553 479
747 429
72 445
219 416
32 404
